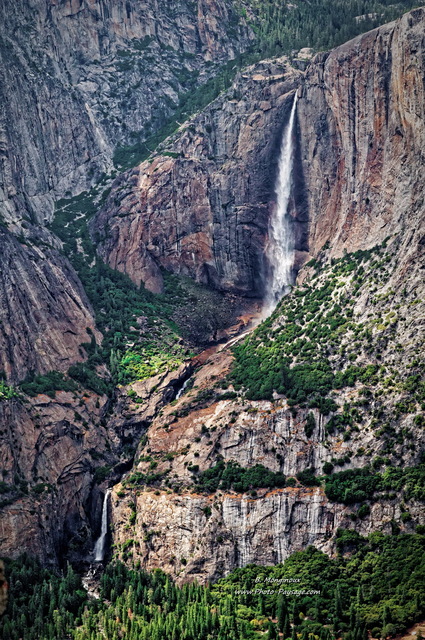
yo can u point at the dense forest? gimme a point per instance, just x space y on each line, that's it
319 24
375 585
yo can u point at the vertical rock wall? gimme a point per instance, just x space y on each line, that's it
362 129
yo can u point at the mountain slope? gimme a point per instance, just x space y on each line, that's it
332 381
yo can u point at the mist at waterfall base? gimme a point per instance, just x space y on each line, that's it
99 547
279 246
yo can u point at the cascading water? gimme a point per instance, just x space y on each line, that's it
279 247
182 389
99 547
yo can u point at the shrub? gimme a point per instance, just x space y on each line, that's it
231 475
328 467
47 383
353 485
309 425
308 478
363 511
88 378
7 392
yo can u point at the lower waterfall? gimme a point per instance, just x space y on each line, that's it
99 547
279 247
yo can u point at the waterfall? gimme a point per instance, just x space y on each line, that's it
99 547
182 389
279 247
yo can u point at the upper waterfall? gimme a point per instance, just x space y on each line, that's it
99 547
279 246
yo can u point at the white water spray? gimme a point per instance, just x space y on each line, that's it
99 547
279 247
182 389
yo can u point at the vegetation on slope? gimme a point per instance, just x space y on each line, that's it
333 343
374 585
143 333
7 391
312 345
351 487
319 24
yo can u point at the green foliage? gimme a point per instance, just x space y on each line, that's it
193 100
292 358
328 467
308 478
7 392
137 478
47 383
320 24
378 584
231 475
347 487
141 331
310 425
101 473
119 306
42 605
87 377
357 485
353 485
279 28
139 365
308 348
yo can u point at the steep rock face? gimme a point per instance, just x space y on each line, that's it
358 164
203 535
201 207
357 168
363 137
47 470
231 257
44 311
76 78
51 494
79 76
193 536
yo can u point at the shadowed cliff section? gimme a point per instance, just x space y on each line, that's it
77 78
44 311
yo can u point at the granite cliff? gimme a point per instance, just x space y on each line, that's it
76 80
357 169
199 207
374 420
362 138
98 73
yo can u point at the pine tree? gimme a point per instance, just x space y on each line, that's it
296 614
286 630
272 633
281 612
338 603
